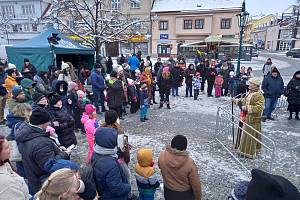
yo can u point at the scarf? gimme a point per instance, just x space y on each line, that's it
105 151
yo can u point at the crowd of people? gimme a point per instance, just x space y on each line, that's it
47 108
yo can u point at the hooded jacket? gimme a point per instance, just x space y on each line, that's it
272 86
115 93
179 172
36 148
12 120
294 90
97 80
29 74
65 130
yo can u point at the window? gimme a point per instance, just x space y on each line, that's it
225 23
26 27
34 27
116 4
17 27
135 4
163 25
199 23
71 24
28 9
187 24
8 11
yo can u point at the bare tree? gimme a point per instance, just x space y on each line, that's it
94 21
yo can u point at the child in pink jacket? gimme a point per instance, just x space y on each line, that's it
90 125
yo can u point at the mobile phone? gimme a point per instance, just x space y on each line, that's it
125 141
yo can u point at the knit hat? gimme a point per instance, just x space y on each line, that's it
110 117
166 69
255 81
53 165
27 83
36 97
54 98
39 116
179 142
267 186
89 109
16 90
72 85
130 81
64 65
240 190
106 137
114 74
275 70
26 60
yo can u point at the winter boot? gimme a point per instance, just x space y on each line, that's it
145 118
161 105
142 120
297 116
168 105
291 116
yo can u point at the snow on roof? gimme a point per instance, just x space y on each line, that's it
185 5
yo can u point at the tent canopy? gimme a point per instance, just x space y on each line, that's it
213 39
37 50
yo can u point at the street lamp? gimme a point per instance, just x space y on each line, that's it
242 21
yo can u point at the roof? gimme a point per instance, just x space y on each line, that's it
194 5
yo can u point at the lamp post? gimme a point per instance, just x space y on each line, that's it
242 21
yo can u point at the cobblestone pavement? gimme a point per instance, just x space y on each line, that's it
196 119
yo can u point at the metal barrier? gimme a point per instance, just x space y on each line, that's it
235 138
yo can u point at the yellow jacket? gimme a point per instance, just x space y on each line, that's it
9 83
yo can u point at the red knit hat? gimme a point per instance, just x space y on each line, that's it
89 109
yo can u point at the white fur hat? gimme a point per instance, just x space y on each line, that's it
64 65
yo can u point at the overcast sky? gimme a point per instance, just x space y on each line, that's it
255 7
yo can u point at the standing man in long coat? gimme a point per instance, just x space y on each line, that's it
252 107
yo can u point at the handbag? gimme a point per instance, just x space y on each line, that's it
15 155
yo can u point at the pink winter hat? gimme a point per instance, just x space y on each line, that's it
166 69
89 109
72 85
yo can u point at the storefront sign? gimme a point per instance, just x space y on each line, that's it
164 36
137 38
163 41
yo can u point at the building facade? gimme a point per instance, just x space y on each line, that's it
20 19
175 23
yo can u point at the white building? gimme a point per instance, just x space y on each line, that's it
20 19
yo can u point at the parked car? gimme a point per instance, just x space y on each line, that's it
295 53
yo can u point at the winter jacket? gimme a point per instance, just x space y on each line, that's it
294 90
189 74
97 80
110 179
219 80
134 63
62 93
179 172
9 83
110 65
157 66
197 83
165 85
177 76
12 120
29 74
65 130
41 85
115 93
3 90
230 67
73 107
225 73
89 124
267 68
36 148
272 86
12 186
144 98
211 74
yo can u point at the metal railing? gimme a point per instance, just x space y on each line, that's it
237 137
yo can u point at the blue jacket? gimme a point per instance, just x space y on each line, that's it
197 83
272 87
97 80
143 98
134 63
12 120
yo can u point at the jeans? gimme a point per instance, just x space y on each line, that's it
270 105
99 97
175 91
196 94
143 111
189 89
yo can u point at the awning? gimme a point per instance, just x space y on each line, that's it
213 39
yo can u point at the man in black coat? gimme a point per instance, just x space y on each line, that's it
37 148
115 93
28 70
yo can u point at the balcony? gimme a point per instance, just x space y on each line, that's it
20 16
